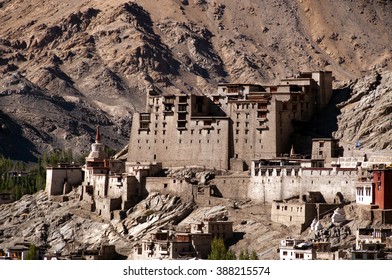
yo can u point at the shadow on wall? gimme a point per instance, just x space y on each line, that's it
237 236
325 123
215 192
322 125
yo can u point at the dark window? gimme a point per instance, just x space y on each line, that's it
181 124
182 108
182 117
207 123
144 125
145 117
199 103
182 99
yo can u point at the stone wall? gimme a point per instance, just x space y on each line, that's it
102 208
281 185
330 181
234 187
105 206
100 183
274 187
57 176
172 186
299 214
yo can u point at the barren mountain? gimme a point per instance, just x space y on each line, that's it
67 66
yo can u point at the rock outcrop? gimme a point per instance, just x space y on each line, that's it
54 226
65 227
366 117
154 212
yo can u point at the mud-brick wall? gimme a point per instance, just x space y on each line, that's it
56 177
172 186
235 187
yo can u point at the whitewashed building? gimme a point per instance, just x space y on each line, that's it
295 249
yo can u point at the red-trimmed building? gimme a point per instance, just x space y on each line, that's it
382 179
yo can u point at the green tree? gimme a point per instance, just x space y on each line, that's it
219 251
244 255
253 256
80 158
230 255
32 253
109 152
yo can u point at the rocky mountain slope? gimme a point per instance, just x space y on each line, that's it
67 66
366 116
66 228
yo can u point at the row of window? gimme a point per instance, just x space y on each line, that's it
285 208
360 191
181 117
278 173
246 141
182 142
297 255
260 106
294 107
260 123
179 125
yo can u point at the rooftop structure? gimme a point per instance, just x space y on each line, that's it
194 241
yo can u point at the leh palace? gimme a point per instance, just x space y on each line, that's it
241 136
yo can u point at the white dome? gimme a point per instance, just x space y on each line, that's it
313 224
338 216
318 226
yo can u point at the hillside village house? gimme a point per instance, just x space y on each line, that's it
19 251
194 242
371 243
295 249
